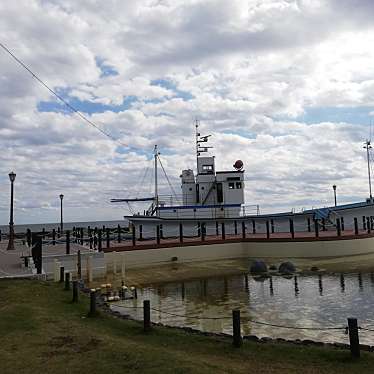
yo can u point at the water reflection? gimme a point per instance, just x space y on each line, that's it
322 300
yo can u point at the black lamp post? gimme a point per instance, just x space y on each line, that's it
334 188
12 177
62 222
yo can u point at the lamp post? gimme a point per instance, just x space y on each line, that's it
12 177
62 222
334 188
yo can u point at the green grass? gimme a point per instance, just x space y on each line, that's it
41 331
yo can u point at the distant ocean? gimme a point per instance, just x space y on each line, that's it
67 226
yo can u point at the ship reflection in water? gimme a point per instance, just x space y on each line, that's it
312 301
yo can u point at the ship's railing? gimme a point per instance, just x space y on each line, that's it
250 210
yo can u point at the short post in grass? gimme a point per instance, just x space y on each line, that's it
54 237
119 234
79 264
223 231
92 311
237 338
267 230
108 238
100 243
133 235
180 232
243 230
316 228
147 315
62 274
355 225
67 281
158 234
68 242
75 291
338 227
354 342
292 229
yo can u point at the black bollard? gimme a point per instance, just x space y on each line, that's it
36 251
141 232
43 232
364 222
62 274
180 233
217 228
99 241
316 228
53 237
235 228
28 237
119 234
92 311
91 242
203 232
158 234
368 226
107 238
237 337
147 315
68 242
267 230
79 264
292 230
253 226
323 224
58 232
309 228
272 226
82 235
67 281
354 342
75 291
338 228
243 230
355 225
223 231
133 235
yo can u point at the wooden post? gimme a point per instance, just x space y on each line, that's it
272 226
323 224
243 230
316 228
99 241
338 228
92 312
91 242
217 228
75 291
147 315
133 235
368 226
89 269
79 264
364 222
235 228
140 232
28 237
180 233
53 237
158 234
223 231
68 242
253 226
62 274
43 232
356 225
119 234
58 232
203 232
108 238
292 230
267 230
82 235
237 337
342 223
354 342
309 228
67 281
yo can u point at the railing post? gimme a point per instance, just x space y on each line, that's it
158 240
342 223
119 234
79 264
356 225
75 291
364 222
354 342
180 233
140 232
267 230
292 230
53 237
92 303
62 274
323 224
253 226
43 232
368 226
58 232
68 242
235 228
133 235
316 228
223 231
338 228
28 237
309 228
217 228
67 281
272 226
243 230
82 235
237 337
199 229
146 315
202 229
108 238
99 241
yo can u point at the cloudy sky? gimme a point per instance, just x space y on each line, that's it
285 85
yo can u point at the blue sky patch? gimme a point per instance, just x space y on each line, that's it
165 83
106 70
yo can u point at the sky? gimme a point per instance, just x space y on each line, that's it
287 86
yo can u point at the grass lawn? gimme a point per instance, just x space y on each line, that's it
41 331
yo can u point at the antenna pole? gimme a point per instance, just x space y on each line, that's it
367 146
156 182
197 143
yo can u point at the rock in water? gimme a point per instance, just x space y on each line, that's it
287 268
258 266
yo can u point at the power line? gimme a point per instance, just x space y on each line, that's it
68 105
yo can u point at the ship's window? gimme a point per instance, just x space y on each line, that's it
239 185
202 187
208 168
231 186
190 189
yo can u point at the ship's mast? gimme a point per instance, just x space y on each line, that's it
156 182
367 146
200 139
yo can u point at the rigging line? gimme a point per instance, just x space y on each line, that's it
72 108
141 186
167 178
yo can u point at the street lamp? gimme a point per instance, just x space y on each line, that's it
334 188
12 177
62 223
